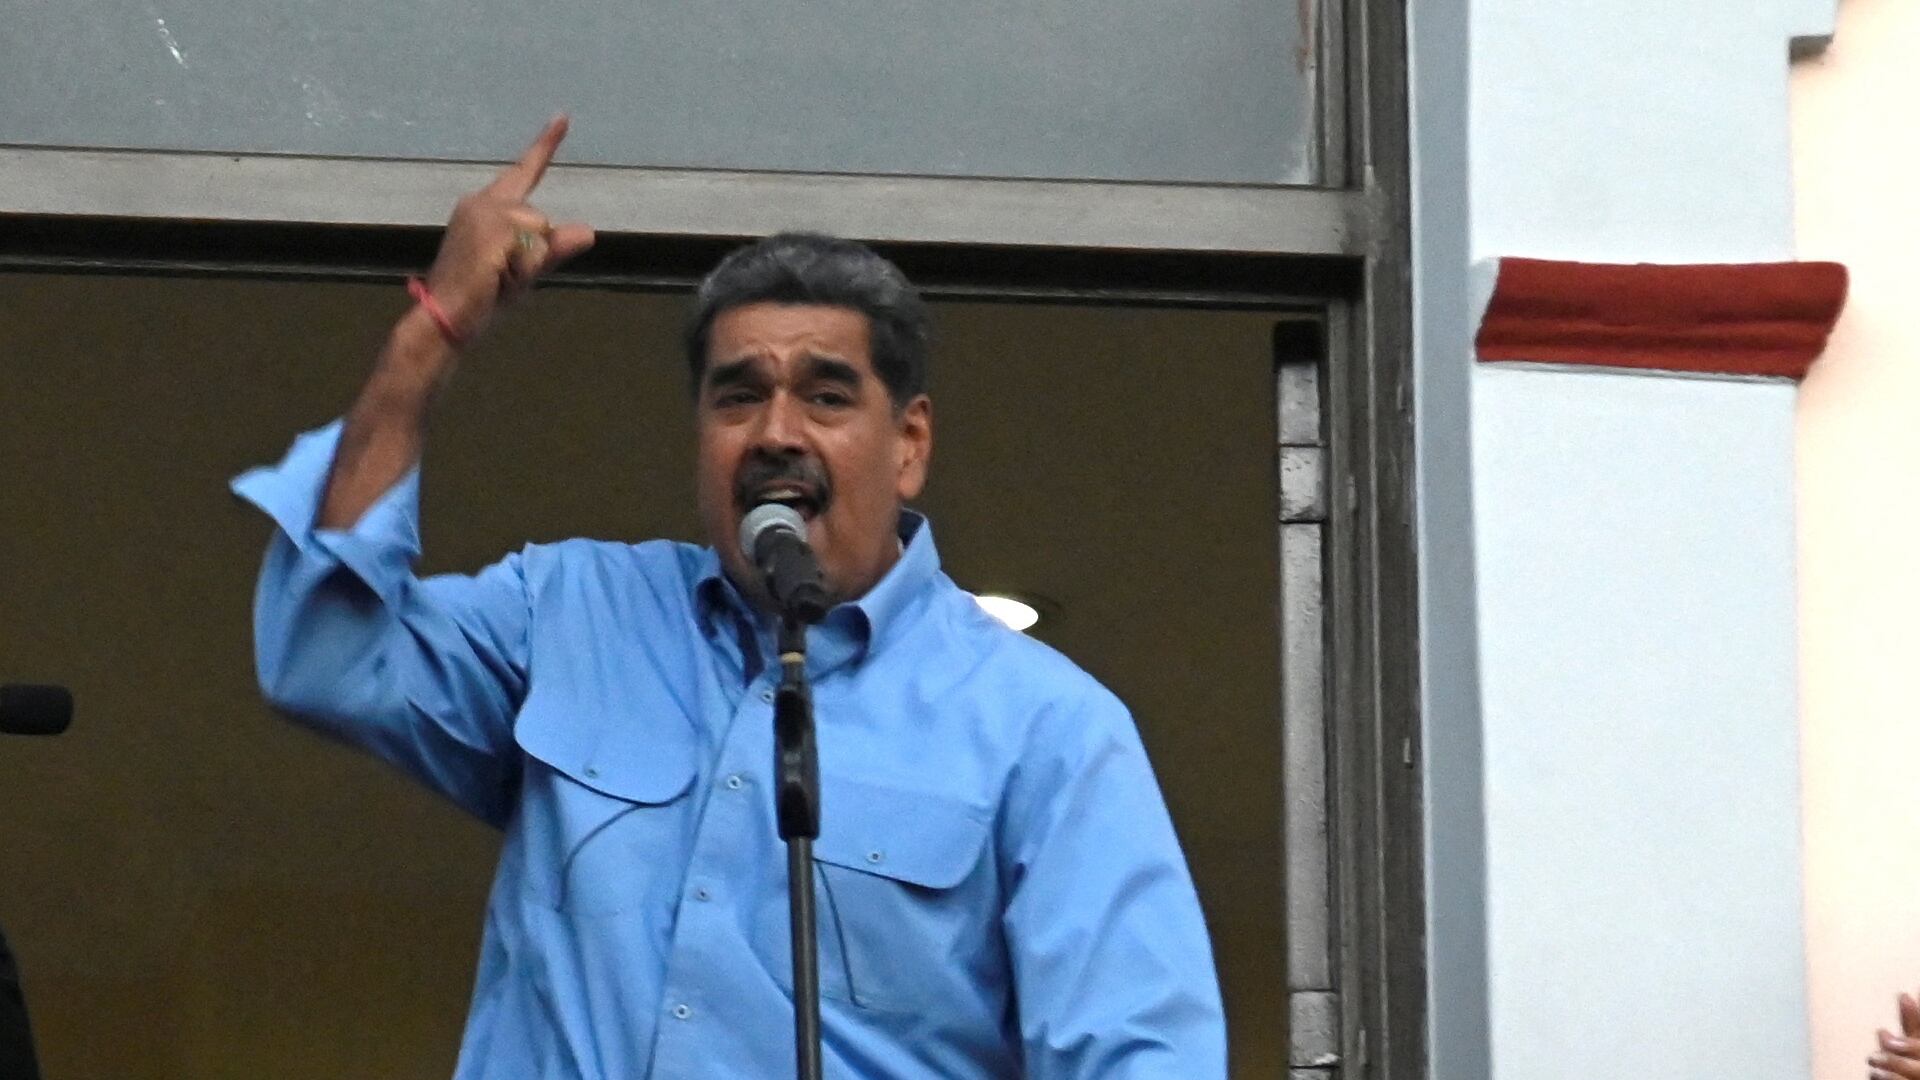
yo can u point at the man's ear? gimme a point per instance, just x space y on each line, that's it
915 444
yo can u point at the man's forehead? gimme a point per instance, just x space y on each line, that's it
759 367
781 331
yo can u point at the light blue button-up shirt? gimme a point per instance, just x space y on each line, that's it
999 888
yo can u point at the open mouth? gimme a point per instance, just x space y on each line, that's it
799 498
799 483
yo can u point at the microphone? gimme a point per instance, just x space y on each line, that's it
774 537
26 709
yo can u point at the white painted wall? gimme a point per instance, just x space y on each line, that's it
1616 132
1635 553
1634 562
1857 165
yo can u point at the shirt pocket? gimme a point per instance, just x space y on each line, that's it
601 820
905 900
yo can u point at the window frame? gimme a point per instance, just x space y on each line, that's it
1341 249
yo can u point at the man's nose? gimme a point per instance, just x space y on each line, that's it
781 425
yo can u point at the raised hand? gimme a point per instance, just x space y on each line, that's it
1899 1056
497 243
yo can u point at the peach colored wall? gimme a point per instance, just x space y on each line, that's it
1857 183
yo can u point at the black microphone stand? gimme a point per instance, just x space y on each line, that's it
796 794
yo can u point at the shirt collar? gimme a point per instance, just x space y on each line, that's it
870 620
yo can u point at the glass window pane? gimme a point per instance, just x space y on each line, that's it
1169 90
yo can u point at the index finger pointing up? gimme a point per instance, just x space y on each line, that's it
518 180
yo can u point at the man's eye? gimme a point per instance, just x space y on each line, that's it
735 397
831 398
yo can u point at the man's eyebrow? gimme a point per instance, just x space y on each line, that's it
832 370
732 373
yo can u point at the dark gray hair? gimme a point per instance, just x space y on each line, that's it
811 268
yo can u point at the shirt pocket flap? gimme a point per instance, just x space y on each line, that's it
919 838
640 763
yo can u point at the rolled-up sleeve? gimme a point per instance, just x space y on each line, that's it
425 673
1114 974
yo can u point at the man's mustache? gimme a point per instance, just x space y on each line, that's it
761 472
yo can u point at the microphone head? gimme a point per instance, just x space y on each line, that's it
769 516
26 709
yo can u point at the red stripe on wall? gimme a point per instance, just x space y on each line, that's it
1719 318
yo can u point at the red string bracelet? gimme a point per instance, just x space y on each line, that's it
438 314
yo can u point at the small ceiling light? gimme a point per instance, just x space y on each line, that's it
1017 614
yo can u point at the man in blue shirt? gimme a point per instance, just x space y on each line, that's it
1000 890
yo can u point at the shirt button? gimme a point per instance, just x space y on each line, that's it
735 783
766 695
591 771
875 857
681 1012
701 893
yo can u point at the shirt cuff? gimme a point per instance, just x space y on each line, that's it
379 549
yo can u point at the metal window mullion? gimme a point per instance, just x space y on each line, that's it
1077 214
1333 51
